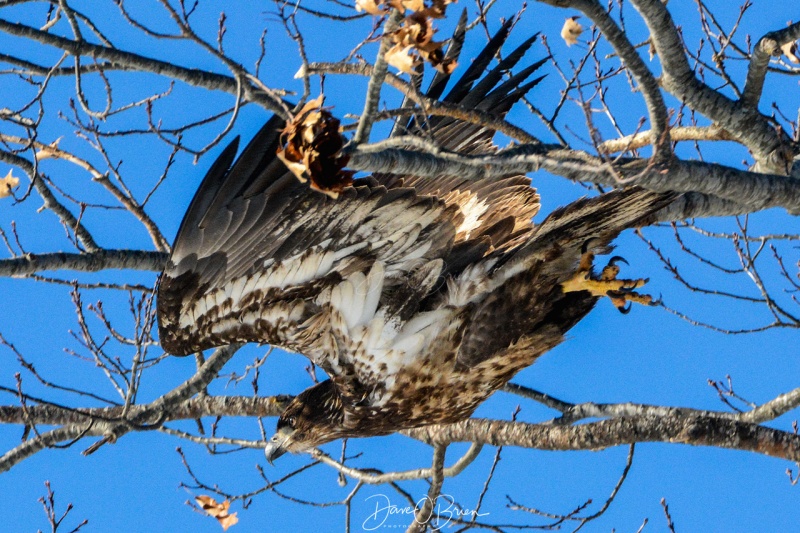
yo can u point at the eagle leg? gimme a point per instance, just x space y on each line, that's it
621 292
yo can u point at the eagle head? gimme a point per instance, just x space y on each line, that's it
313 417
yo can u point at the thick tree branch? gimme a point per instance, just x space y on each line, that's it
100 259
34 69
45 440
681 133
698 205
693 430
571 413
194 408
767 47
425 512
379 71
743 191
769 147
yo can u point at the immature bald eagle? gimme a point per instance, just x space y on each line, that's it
419 297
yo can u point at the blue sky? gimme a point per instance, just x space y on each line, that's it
649 356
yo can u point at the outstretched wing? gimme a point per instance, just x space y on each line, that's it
257 248
261 258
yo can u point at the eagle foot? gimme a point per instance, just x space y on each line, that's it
621 292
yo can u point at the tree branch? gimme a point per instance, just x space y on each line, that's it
372 478
192 409
424 514
773 408
67 218
100 259
129 60
659 119
693 430
769 147
742 191
681 133
379 71
45 440
431 107
767 47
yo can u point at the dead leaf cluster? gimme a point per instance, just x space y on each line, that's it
217 510
310 146
413 42
435 8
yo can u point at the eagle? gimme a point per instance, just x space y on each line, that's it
419 297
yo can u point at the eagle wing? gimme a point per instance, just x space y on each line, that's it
259 257
257 248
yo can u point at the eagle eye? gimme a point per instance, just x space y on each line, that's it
291 421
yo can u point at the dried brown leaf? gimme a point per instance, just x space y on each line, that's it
8 183
438 7
411 5
414 41
416 31
310 146
571 31
400 57
790 51
423 29
432 53
372 7
217 510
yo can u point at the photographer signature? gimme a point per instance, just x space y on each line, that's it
442 511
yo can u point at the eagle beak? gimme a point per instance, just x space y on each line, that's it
277 445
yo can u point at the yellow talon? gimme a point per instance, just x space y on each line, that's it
609 272
601 287
620 291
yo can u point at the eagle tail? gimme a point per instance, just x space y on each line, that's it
496 212
590 221
602 217
476 89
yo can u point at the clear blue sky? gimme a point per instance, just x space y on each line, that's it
649 356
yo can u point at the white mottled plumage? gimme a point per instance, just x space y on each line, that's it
472 283
472 209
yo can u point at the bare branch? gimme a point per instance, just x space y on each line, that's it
130 60
379 70
660 135
695 430
101 259
424 513
421 473
768 46
743 122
